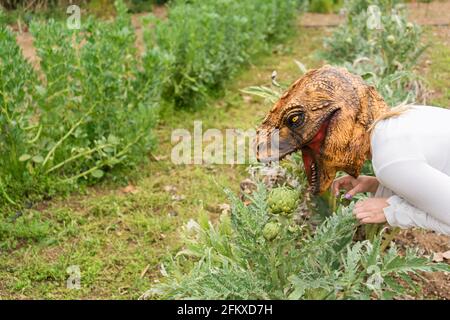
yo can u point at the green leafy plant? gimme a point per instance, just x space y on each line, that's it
324 6
88 110
254 255
204 50
385 56
18 124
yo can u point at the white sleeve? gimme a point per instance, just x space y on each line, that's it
420 195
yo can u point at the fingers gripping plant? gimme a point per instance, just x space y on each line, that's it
255 255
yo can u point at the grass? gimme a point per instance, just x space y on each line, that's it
438 75
117 238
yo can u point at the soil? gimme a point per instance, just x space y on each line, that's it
436 284
434 13
313 20
158 11
135 21
443 33
25 41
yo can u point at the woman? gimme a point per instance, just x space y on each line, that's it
339 122
411 160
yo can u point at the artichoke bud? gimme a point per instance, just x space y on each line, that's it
293 228
271 230
390 39
283 200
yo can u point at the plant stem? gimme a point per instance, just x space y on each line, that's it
5 194
84 173
389 238
76 157
76 125
124 150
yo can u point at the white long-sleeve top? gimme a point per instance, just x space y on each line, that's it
411 160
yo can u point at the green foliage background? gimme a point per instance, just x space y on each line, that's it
89 111
385 57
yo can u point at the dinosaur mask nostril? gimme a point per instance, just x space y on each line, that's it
260 147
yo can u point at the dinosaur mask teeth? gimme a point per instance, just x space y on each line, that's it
311 154
314 179
311 168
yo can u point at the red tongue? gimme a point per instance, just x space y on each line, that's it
307 162
313 148
316 142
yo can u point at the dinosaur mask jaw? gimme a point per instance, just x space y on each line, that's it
274 145
319 172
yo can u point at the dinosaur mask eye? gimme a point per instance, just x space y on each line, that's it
295 119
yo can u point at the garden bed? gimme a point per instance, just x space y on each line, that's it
119 232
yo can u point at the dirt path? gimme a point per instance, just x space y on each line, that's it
434 13
25 41
159 11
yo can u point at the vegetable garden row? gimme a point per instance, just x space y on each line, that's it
90 108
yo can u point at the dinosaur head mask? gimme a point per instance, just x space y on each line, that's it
326 114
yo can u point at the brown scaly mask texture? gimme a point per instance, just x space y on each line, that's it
326 114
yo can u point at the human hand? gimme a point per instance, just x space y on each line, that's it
371 210
353 186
